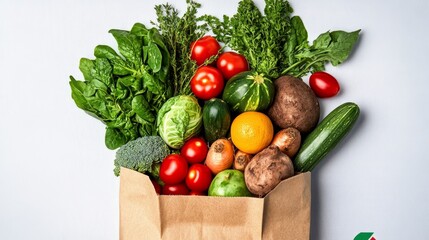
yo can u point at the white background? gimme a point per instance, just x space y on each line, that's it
56 179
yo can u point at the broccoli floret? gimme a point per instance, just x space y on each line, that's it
141 154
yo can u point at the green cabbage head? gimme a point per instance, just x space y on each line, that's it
179 119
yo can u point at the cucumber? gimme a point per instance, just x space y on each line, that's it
326 136
216 119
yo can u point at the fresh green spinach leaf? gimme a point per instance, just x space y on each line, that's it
103 71
86 66
154 57
150 83
127 81
78 88
142 108
322 41
301 33
99 85
342 45
129 45
89 90
139 29
120 67
114 138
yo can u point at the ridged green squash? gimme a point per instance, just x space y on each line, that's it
249 91
326 136
216 119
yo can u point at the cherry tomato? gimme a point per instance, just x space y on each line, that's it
173 169
175 189
324 84
199 177
194 150
207 83
231 63
203 49
156 186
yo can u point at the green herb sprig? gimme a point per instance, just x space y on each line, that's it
179 33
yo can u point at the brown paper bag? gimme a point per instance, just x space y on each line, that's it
283 214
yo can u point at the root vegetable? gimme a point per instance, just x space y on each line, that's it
288 140
267 169
220 155
295 105
241 159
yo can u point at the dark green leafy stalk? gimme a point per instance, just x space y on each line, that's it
276 43
178 33
333 47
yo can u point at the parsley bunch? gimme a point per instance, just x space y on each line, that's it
275 43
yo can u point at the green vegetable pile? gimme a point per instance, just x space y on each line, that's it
276 43
142 93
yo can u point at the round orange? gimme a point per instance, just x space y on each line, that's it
251 132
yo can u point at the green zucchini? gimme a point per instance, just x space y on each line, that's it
249 91
326 136
216 119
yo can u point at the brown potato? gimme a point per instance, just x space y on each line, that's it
267 169
288 140
295 105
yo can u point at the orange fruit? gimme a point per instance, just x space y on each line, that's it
251 132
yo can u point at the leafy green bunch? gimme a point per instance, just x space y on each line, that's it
276 43
125 90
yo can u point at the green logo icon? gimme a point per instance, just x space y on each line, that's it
365 236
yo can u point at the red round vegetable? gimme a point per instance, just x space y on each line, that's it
204 48
173 169
207 83
194 150
324 84
199 178
231 64
195 193
176 189
156 186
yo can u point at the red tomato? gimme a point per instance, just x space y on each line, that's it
173 169
207 83
195 150
156 186
203 49
176 189
324 84
195 193
231 63
199 177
